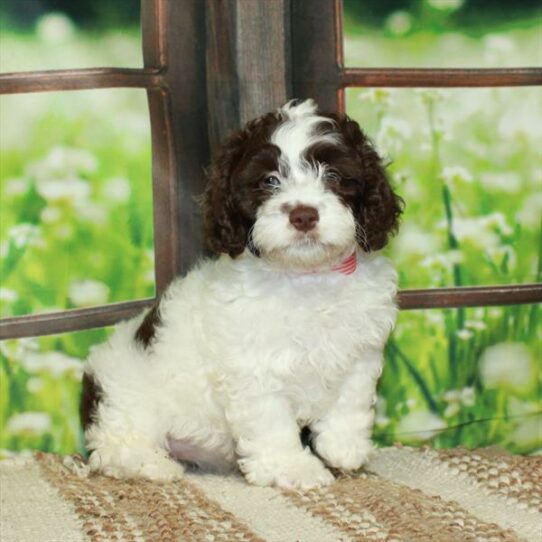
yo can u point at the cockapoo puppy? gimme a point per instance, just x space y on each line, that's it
284 330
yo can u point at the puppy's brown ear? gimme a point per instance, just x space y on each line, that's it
380 208
224 228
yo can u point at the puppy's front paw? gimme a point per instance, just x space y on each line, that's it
152 465
299 470
343 453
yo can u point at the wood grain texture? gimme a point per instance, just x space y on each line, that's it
316 41
262 56
173 42
221 69
35 325
474 296
81 79
247 61
435 77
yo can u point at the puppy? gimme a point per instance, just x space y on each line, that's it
284 330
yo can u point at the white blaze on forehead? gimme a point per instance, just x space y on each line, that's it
299 131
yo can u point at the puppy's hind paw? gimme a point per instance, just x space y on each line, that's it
153 466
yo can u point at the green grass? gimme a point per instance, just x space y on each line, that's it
467 163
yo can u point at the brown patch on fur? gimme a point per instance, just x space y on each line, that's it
235 190
146 332
358 177
91 395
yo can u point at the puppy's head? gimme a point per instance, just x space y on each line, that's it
299 189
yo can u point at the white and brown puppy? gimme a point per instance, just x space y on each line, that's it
284 330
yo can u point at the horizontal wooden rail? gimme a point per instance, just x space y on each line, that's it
437 77
35 325
476 296
437 298
83 79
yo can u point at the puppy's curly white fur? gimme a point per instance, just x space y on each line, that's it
284 330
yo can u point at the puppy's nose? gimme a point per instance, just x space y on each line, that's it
304 218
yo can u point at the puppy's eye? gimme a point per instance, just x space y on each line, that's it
272 182
331 177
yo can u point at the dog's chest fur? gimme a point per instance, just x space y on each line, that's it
298 335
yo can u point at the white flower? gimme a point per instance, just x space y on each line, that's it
435 318
468 396
16 186
25 235
498 222
376 96
443 261
464 334
453 175
410 188
58 175
55 28
499 43
63 162
71 189
414 240
91 212
149 276
56 364
446 5
440 129
64 231
149 273
472 229
399 22
29 422
456 398
8 296
451 410
483 231
516 407
391 134
508 366
117 190
508 182
50 215
528 433
530 214
499 253
88 292
430 95
18 349
34 385
451 395
419 425
476 324
495 312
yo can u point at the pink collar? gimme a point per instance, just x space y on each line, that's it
348 266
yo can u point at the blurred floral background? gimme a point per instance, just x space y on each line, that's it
76 212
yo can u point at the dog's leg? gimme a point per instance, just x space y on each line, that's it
342 438
123 452
269 447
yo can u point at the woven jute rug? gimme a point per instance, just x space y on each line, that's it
403 494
